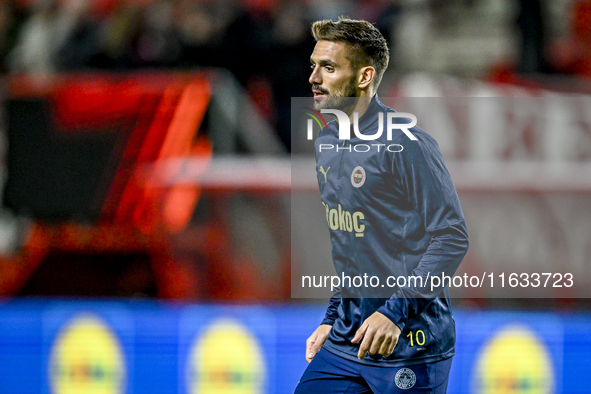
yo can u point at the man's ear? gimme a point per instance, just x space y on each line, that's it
365 76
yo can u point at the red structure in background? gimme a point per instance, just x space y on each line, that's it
569 55
158 117
578 61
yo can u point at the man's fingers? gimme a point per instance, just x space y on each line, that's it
310 356
310 349
310 353
388 346
392 346
360 333
376 344
385 347
315 341
365 344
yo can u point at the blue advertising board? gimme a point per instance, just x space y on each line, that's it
144 347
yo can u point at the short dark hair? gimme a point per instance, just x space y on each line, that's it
369 47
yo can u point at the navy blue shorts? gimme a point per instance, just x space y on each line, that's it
332 374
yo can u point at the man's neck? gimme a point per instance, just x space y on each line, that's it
361 104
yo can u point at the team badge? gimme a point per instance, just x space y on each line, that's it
405 378
358 176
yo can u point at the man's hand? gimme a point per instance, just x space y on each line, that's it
379 334
316 340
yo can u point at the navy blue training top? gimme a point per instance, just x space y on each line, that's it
392 210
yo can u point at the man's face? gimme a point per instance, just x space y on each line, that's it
332 76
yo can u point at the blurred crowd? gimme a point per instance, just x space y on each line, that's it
243 36
266 44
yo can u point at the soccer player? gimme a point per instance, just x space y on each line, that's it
393 211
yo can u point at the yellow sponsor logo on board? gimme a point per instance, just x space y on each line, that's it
514 361
226 359
86 358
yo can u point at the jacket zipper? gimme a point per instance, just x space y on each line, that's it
342 159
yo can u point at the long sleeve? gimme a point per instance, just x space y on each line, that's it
432 195
332 312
